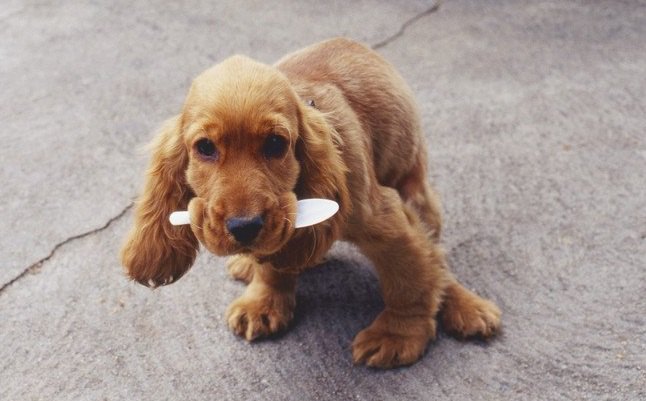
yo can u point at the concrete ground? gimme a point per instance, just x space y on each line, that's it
535 114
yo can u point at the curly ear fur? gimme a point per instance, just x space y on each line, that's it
155 252
322 175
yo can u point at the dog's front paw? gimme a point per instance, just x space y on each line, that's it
464 314
392 341
260 313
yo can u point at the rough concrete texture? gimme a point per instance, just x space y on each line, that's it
535 114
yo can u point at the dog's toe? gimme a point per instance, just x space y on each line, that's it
465 314
392 341
253 318
386 350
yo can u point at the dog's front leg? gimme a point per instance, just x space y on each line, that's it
266 306
412 276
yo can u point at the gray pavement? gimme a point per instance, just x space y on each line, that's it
535 114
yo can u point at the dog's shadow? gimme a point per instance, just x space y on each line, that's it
341 295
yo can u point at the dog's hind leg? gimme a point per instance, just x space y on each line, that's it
463 313
418 194
241 267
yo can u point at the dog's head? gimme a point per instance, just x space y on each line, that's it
241 151
240 129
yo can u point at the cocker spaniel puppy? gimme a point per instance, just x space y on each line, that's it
333 121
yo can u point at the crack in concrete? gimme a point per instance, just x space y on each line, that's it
407 24
35 267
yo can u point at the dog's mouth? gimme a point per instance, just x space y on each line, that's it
260 235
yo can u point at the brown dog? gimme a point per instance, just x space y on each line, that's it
333 121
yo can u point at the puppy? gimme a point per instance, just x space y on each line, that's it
334 121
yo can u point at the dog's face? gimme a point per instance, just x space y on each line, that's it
240 128
243 146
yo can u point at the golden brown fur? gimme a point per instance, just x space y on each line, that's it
359 143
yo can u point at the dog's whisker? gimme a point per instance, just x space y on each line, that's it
314 246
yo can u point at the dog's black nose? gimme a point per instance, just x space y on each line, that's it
244 229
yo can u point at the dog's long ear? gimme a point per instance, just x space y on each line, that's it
155 252
323 175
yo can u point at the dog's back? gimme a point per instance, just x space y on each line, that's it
378 95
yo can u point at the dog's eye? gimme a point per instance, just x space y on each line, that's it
275 146
206 148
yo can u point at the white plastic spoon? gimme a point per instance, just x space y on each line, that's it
308 213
